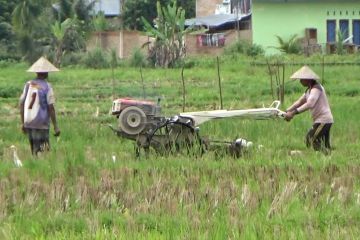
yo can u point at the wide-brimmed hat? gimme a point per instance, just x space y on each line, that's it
305 73
42 65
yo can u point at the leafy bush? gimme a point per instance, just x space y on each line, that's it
255 50
96 59
72 58
9 91
290 46
244 47
339 43
8 61
138 58
238 47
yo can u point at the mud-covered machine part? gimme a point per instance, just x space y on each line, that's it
141 122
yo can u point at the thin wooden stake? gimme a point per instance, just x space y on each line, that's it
184 90
283 86
271 79
218 69
142 82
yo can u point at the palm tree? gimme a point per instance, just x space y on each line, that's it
25 15
26 25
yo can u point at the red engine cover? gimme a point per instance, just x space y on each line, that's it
134 102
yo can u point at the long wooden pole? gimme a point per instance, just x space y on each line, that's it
219 78
183 86
142 82
271 80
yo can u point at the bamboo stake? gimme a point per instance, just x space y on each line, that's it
142 82
218 69
283 86
183 86
271 79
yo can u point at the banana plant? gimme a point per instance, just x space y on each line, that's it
59 31
168 32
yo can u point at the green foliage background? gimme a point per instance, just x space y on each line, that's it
136 9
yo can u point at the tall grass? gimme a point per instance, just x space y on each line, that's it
76 191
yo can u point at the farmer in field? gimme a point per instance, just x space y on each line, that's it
315 100
37 107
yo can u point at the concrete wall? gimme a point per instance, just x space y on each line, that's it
192 49
131 40
104 40
124 42
271 17
206 7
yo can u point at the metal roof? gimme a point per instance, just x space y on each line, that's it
108 7
215 20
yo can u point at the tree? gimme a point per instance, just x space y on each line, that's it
134 10
7 35
26 13
169 31
29 29
59 31
41 27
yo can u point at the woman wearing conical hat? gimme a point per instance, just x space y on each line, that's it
37 107
315 100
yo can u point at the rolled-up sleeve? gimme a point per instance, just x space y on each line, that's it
311 100
50 96
23 95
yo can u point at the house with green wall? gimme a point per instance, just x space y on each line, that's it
316 22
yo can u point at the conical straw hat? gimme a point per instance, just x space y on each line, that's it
305 73
42 65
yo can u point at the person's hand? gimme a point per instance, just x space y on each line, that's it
23 129
289 115
57 131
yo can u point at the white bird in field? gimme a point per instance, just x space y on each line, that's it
97 112
17 161
113 158
244 143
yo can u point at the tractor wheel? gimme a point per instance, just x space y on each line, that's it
132 120
176 137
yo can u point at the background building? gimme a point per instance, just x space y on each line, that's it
316 22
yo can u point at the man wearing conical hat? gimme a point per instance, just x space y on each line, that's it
37 107
315 100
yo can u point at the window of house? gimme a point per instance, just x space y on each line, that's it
356 32
211 40
331 31
344 28
241 6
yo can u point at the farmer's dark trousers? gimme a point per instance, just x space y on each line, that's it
318 137
39 140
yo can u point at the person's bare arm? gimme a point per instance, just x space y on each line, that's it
21 108
301 101
53 119
312 99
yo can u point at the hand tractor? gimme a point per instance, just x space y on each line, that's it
142 122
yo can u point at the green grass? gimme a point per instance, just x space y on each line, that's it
77 192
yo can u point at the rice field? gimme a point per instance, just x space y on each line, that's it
91 185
